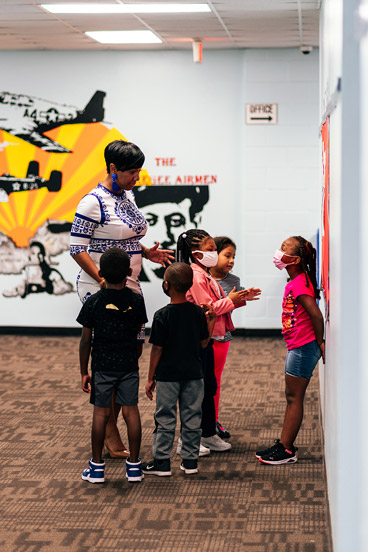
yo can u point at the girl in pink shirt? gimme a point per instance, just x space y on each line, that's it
302 329
198 248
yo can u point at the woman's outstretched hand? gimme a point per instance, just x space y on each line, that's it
160 256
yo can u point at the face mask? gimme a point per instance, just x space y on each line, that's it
277 259
164 289
210 258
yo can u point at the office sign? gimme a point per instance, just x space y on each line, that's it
261 114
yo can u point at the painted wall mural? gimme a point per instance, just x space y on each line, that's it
50 157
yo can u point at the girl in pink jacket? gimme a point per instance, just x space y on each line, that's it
196 247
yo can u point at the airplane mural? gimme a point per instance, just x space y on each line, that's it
28 117
10 184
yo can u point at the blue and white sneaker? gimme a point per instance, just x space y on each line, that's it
134 471
95 473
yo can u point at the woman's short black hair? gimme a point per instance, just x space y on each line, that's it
125 156
114 265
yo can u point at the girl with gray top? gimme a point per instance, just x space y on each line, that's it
226 249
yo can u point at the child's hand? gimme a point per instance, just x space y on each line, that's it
86 383
150 387
252 294
208 311
238 296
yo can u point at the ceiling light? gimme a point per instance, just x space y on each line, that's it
126 8
125 37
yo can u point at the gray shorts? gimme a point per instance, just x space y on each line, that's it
125 385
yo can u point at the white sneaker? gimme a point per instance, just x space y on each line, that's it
215 443
203 451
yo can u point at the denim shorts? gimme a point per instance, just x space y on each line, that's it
125 385
301 362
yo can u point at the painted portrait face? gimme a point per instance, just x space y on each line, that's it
169 211
166 221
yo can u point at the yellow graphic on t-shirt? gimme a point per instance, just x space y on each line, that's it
288 312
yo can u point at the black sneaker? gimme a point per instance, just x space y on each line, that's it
279 455
157 467
267 451
221 431
189 466
264 452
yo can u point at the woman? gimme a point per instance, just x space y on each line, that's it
108 217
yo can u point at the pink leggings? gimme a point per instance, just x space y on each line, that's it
220 350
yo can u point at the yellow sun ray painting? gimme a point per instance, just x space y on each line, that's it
36 185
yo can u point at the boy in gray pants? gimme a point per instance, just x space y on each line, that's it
179 331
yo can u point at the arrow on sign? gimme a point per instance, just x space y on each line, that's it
269 118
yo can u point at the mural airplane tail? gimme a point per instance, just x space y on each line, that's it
28 117
94 111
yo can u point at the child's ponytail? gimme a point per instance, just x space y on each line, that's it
187 241
308 256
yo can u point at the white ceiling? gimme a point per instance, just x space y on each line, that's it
24 25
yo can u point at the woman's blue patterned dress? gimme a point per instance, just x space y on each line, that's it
104 219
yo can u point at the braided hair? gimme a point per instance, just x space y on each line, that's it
308 256
191 239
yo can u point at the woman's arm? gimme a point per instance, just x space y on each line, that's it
86 220
310 305
85 262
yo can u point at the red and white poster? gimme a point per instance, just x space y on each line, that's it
325 260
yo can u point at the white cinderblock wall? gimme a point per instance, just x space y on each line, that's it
281 183
344 55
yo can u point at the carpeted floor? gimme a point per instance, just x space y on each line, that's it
235 503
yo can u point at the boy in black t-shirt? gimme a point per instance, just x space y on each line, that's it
111 320
179 331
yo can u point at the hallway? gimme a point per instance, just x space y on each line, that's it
235 503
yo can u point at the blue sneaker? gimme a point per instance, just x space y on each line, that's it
95 473
134 470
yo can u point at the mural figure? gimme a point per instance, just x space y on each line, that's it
39 276
29 118
169 210
36 263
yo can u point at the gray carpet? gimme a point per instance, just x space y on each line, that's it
235 502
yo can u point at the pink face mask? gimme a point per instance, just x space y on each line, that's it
277 259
